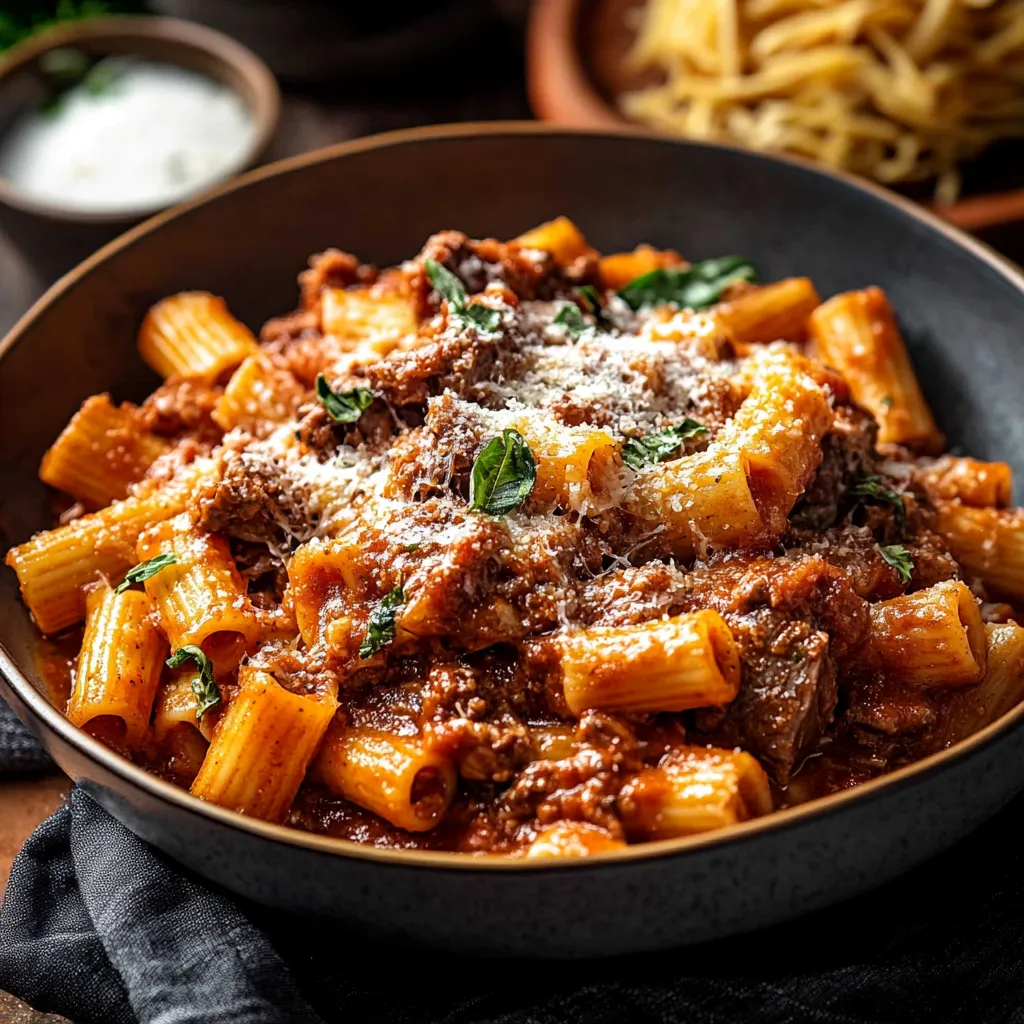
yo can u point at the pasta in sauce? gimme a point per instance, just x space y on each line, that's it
519 549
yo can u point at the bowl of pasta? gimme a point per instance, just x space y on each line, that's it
584 559
922 97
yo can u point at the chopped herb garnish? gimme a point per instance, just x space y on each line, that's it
871 488
694 287
449 287
380 630
411 547
570 317
887 401
591 299
206 690
503 475
658 445
144 570
343 406
899 558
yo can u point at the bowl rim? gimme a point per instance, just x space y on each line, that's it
263 99
787 818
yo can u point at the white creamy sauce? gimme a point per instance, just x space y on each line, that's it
156 135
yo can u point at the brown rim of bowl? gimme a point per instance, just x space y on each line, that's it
742 832
261 94
561 91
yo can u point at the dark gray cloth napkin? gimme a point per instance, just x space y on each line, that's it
98 926
19 752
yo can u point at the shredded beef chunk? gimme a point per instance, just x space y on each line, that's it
848 455
787 696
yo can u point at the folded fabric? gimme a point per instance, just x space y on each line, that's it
98 926
19 751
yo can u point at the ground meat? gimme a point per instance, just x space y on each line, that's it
530 273
182 405
249 500
456 358
332 269
632 595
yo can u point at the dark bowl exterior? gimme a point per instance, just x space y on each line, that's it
960 307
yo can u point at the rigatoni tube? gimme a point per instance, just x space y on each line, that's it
572 839
192 334
100 453
262 747
399 778
769 313
988 543
934 637
689 661
119 667
695 789
1001 688
55 566
201 596
856 333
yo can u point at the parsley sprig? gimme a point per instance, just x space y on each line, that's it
872 489
343 406
658 445
144 571
900 559
694 287
380 630
449 287
206 691
503 474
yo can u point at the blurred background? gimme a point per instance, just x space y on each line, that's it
924 96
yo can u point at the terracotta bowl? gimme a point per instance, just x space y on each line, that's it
53 238
575 71
381 198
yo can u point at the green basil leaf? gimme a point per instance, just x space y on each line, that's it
144 570
899 558
206 691
503 475
445 283
658 445
694 287
483 318
343 406
872 489
449 287
570 317
380 630
591 299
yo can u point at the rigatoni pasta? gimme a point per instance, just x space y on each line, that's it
118 668
101 453
521 549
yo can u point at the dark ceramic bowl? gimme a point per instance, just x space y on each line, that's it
962 309
54 238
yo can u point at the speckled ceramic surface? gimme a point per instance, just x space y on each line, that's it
962 309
